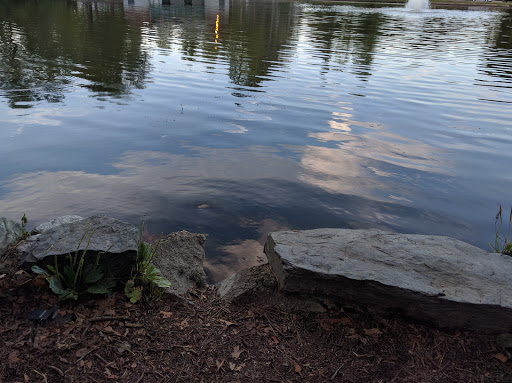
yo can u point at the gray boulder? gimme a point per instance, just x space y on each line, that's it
436 279
10 232
55 222
116 238
180 258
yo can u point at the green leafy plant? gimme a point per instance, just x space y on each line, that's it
145 273
24 232
503 240
75 277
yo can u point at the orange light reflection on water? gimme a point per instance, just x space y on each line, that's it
216 30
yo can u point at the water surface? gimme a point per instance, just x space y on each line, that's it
236 118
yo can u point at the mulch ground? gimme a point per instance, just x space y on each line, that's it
206 340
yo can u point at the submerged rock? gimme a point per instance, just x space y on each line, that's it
117 239
180 258
432 278
10 232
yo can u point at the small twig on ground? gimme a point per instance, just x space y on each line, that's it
134 325
43 375
272 326
100 358
462 369
188 348
85 331
59 371
87 353
27 281
336 372
106 317
181 370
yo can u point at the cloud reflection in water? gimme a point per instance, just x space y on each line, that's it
234 196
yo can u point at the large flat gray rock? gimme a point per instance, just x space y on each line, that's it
432 278
56 222
180 258
10 232
117 238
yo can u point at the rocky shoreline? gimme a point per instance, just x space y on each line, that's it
252 327
437 280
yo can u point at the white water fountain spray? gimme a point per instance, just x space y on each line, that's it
417 4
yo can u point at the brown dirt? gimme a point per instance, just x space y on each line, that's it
206 340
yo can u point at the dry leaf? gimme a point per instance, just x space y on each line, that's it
140 332
184 324
372 331
81 352
102 324
236 352
13 357
111 330
166 314
331 323
123 347
104 305
232 366
227 323
343 321
39 281
110 375
502 358
297 368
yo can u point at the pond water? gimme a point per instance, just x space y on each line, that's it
236 118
